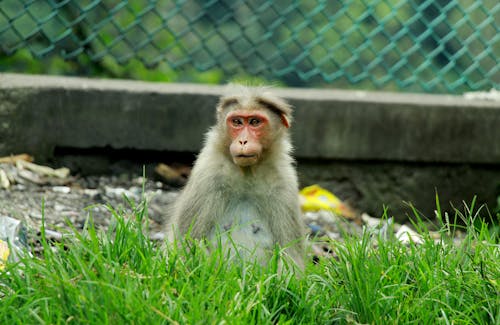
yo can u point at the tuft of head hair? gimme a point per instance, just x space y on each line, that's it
254 97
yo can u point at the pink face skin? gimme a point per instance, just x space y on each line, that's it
247 130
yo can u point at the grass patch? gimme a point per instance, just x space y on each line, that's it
121 277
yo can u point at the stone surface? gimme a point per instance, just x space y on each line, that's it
400 127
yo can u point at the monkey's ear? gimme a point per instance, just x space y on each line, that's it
278 107
284 120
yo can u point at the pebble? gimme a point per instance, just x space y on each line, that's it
61 189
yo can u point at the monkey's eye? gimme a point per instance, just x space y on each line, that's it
254 121
236 122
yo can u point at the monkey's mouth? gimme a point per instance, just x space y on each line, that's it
244 160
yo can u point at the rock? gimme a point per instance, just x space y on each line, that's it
406 235
4 180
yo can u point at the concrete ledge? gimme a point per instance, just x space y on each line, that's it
41 113
400 127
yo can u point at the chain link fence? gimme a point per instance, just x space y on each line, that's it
447 46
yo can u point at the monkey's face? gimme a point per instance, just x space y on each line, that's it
250 124
249 131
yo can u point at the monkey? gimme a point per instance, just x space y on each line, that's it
243 188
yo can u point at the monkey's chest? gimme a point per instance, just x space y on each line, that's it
242 229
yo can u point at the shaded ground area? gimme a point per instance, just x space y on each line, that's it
76 198
32 192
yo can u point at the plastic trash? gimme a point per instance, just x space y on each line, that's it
12 240
315 198
4 254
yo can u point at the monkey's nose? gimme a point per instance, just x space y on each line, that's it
243 142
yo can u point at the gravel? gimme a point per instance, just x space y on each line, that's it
71 201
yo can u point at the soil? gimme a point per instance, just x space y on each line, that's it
71 201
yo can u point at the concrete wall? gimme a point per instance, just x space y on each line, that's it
369 148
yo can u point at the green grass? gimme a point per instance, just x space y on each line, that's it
121 277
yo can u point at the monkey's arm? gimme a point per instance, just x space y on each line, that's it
201 202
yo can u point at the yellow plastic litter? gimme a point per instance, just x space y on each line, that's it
4 254
314 198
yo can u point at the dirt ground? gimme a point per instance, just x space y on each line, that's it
32 194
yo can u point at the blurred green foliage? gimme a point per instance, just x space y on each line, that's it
419 46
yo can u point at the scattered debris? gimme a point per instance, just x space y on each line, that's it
4 254
19 170
172 176
67 200
315 198
43 170
4 180
61 189
407 235
12 240
15 158
29 192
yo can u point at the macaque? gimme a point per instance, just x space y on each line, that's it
243 192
